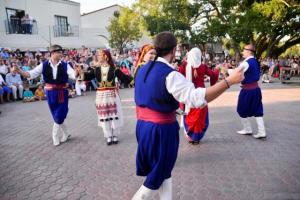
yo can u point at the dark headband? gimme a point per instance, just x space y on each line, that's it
56 50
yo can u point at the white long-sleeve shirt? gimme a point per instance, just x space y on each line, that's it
245 63
182 90
39 69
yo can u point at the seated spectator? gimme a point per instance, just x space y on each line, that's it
28 95
3 68
15 82
126 71
72 93
39 94
266 78
4 89
80 85
5 54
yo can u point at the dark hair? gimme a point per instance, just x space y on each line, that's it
164 43
55 48
108 55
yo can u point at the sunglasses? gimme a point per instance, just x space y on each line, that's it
248 49
57 51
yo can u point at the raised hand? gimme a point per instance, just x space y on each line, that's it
236 76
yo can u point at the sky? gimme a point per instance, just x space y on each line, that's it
91 5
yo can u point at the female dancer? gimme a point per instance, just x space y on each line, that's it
108 103
147 53
196 121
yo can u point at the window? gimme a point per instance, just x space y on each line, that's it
13 23
61 26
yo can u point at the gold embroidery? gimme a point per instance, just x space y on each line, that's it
106 84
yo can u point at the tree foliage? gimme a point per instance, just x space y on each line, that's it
124 28
272 25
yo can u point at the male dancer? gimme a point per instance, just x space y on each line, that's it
249 103
55 74
158 89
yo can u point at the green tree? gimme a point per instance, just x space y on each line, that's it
279 27
272 25
125 27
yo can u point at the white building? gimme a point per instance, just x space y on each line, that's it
94 27
54 22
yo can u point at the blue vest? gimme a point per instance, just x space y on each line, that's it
61 77
253 72
153 93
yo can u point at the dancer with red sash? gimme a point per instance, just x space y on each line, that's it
250 98
55 74
196 120
158 90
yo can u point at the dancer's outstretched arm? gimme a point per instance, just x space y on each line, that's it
216 90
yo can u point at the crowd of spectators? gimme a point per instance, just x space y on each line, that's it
13 87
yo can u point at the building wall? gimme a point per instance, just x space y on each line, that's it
91 26
99 19
43 12
94 27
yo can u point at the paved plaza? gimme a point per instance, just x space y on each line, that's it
225 166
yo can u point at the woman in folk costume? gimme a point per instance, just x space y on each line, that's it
55 74
108 103
147 53
196 121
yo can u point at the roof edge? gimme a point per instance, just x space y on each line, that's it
101 9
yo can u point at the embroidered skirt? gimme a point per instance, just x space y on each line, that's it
108 107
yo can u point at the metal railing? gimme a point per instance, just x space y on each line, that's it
66 31
14 26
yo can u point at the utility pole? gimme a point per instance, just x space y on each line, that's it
49 35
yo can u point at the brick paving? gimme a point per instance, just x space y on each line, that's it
225 165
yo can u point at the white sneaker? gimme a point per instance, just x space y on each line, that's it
143 193
65 137
55 133
247 130
260 135
65 133
244 132
55 140
261 129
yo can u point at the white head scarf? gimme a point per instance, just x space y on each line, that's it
193 61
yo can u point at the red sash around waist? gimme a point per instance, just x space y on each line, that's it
60 89
250 86
49 86
149 115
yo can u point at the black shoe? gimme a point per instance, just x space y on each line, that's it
115 140
194 142
109 141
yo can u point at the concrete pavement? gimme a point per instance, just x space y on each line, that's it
225 165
